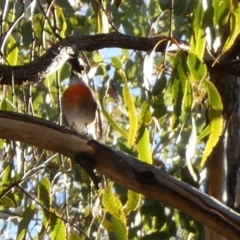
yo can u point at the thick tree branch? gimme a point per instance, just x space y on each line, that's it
123 169
70 47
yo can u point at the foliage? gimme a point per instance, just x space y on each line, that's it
153 104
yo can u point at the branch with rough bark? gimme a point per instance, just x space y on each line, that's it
70 47
123 169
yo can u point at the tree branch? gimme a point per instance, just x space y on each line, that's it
123 169
70 47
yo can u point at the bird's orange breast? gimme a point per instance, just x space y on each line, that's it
77 94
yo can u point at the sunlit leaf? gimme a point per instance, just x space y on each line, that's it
178 87
58 228
221 10
144 145
13 50
198 69
132 202
205 132
132 114
216 120
116 62
7 179
102 19
234 26
187 99
109 118
113 205
75 236
61 21
198 40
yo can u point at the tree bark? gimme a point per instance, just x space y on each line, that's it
70 47
123 169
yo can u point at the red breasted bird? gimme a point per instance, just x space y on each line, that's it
79 106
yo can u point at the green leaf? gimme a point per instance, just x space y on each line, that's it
198 40
146 115
132 113
132 202
62 25
7 179
58 228
119 229
216 120
27 217
177 96
207 130
187 99
26 32
106 223
116 62
197 68
75 236
64 4
221 10
102 19
179 77
108 117
13 50
6 202
159 85
44 196
181 91
144 145
113 205
234 30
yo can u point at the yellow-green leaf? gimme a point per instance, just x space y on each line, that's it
102 19
58 228
205 132
132 113
216 120
13 51
197 68
198 40
7 179
144 145
108 117
234 30
75 236
132 202
113 205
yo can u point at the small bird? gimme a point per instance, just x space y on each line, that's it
79 106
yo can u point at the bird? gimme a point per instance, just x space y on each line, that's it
79 106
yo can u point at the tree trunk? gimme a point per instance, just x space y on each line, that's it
223 163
